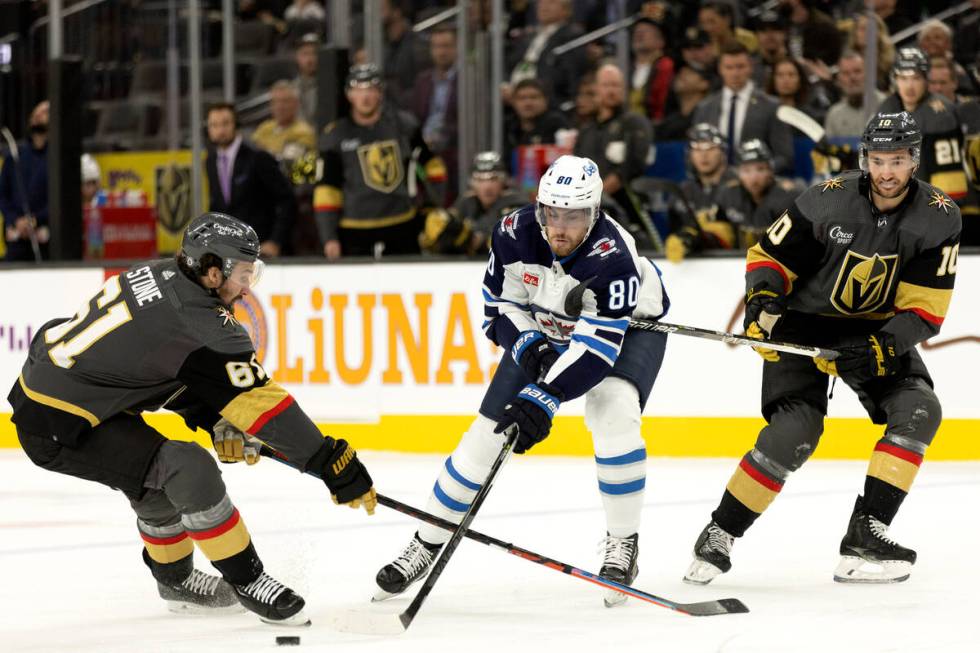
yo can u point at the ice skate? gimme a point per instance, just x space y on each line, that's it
274 602
200 593
868 556
411 565
619 564
712 555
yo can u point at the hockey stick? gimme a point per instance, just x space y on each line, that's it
573 307
698 609
19 176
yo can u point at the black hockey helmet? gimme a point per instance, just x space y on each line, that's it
888 132
228 238
911 59
364 74
705 132
488 164
754 151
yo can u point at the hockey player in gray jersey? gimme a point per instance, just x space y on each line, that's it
163 334
539 254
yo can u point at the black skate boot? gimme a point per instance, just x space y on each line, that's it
274 602
411 565
712 555
619 563
200 593
867 555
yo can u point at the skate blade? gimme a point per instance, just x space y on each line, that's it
613 599
364 622
701 572
298 620
381 595
183 607
852 569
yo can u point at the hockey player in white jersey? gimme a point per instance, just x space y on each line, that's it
538 255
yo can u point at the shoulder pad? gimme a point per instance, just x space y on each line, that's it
515 222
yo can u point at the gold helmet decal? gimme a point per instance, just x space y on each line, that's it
863 283
381 165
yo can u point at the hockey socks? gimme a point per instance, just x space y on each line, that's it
749 492
891 471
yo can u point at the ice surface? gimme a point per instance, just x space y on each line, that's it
71 577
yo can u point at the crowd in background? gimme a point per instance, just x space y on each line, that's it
712 74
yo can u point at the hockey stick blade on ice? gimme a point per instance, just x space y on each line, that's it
573 307
376 622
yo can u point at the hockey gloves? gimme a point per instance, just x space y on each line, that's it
534 354
234 446
763 308
531 412
863 359
680 243
346 478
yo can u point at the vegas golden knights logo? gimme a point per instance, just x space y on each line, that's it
173 197
381 165
863 283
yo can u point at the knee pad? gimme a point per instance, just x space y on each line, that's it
612 414
914 415
188 475
792 435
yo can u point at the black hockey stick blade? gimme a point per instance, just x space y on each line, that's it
390 623
573 308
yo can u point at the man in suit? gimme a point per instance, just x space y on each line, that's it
742 112
533 57
246 182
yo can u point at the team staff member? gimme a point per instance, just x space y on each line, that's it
863 264
369 161
161 335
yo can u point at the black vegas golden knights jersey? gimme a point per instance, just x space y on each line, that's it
848 269
942 143
365 182
152 338
709 222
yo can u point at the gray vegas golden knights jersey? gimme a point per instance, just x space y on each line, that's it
849 269
150 338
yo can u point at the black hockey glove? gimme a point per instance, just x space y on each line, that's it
531 411
534 354
346 478
863 359
763 308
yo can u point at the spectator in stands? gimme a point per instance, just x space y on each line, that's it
433 102
968 36
22 215
790 85
772 32
533 122
285 135
813 34
698 52
92 193
618 142
363 204
586 104
936 40
652 70
306 65
742 112
305 10
405 54
847 118
885 49
894 19
942 79
245 182
717 19
691 86
532 57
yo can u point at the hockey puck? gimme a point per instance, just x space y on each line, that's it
291 640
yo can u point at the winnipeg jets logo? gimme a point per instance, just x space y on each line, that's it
832 184
509 224
940 200
604 247
589 169
226 317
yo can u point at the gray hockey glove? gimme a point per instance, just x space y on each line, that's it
234 446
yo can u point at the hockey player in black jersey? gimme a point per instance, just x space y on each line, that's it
941 161
696 221
163 335
864 264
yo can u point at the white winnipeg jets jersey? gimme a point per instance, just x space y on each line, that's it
525 288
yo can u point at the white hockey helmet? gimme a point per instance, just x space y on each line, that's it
571 182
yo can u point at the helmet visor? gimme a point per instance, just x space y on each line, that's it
247 273
553 216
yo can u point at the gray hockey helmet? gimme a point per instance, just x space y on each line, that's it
911 59
888 132
754 151
228 238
